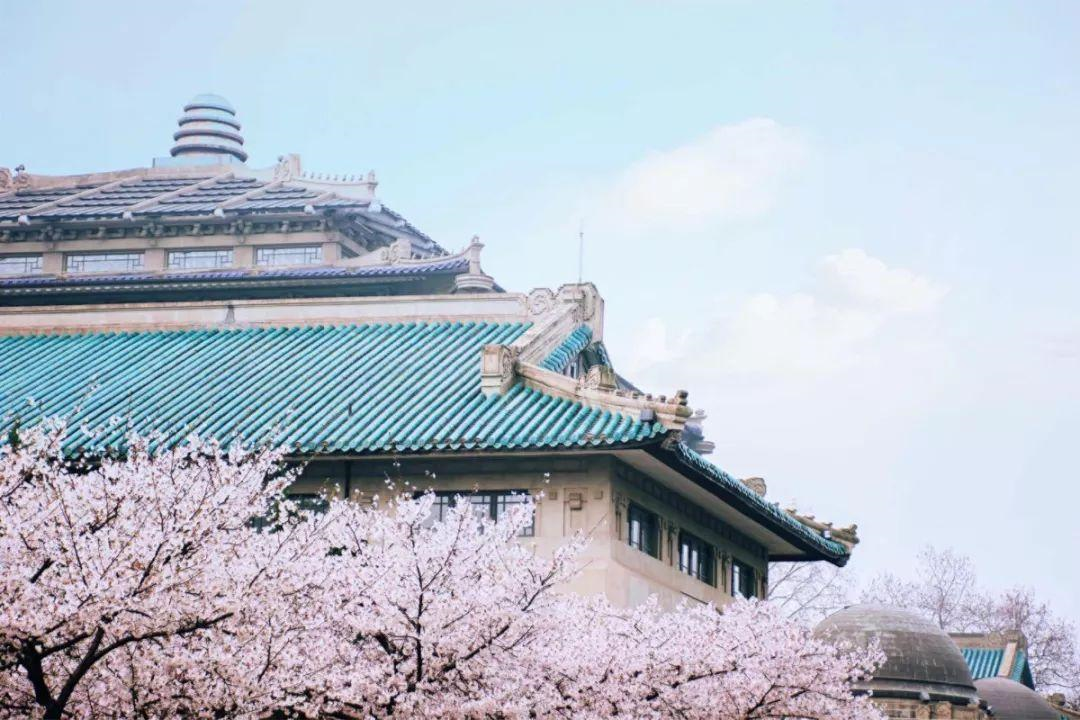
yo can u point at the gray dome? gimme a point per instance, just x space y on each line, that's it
1010 700
921 661
209 128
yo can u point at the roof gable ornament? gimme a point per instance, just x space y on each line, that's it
475 280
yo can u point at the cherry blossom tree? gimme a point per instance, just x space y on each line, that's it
138 586
947 592
809 591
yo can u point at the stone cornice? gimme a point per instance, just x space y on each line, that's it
672 413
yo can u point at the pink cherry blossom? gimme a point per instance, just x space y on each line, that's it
139 586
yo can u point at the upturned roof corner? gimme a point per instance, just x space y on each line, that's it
556 315
847 536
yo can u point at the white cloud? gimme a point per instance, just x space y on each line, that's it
733 172
857 312
866 281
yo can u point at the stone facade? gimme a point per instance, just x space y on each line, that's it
588 495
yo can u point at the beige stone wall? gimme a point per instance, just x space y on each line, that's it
573 494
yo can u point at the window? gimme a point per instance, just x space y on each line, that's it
644 531
296 255
742 580
488 504
199 259
20 264
696 558
104 262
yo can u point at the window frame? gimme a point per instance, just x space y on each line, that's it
135 260
33 264
496 500
705 567
227 253
261 250
648 535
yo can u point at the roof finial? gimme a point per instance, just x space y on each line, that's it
209 132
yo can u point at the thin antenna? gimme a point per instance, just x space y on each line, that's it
581 251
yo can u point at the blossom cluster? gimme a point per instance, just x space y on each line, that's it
183 582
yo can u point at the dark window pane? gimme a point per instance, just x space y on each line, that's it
696 558
644 531
742 580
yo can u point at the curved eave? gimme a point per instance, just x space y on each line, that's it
808 544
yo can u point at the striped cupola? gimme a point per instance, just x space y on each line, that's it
209 127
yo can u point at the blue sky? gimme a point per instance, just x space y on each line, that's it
849 229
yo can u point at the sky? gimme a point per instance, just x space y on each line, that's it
849 230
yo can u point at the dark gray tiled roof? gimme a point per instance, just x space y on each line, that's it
11 206
399 270
112 202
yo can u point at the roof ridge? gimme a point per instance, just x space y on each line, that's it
321 325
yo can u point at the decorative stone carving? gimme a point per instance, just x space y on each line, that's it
286 167
585 301
601 377
756 484
400 249
540 301
475 280
22 178
497 366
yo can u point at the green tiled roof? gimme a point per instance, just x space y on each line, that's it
1021 672
356 388
371 388
568 349
983 662
986 663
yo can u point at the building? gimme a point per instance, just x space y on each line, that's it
202 295
924 675
1010 700
996 655
930 674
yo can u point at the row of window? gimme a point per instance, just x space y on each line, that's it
490 504
175 260
697 558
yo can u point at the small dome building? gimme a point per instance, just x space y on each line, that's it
1010 700
924 674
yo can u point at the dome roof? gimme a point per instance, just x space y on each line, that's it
921 659
209 129
1012 701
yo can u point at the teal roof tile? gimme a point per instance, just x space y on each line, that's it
983 662
393 387
568 349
